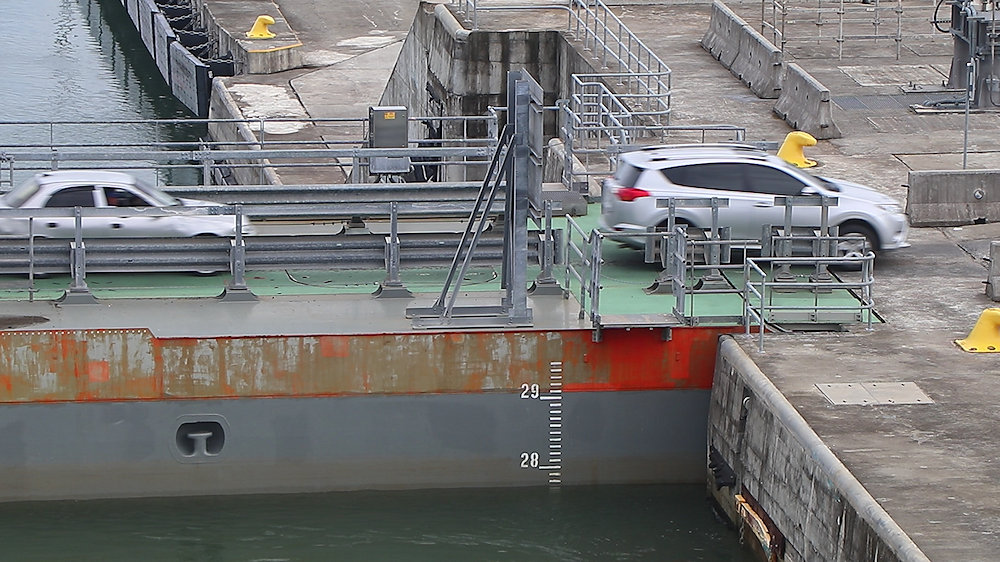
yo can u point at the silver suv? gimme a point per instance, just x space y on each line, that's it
750 179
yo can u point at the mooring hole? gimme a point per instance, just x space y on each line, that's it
200 438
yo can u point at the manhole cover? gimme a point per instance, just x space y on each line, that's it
873 393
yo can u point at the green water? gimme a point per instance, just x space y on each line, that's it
81 63
663 523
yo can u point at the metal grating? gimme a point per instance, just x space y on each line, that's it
879 103
873 393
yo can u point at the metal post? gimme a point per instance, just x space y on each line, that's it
236 290
822 274
663 284
31 259
78 292
392 286
714 279
545 283
968 96
784 274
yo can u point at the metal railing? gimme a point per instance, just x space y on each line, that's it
763 280
635 69
32 255
341 145
696 266
582 259
859 23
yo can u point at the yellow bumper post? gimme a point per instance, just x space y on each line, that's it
791 149
260 28
985 335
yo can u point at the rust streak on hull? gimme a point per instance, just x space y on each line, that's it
132 364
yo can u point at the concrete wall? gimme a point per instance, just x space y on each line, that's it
953 197
822 511
444 69
222 106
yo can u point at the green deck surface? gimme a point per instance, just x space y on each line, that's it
623 278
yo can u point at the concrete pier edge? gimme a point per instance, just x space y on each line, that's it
855 493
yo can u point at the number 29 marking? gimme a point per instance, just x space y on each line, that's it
530 391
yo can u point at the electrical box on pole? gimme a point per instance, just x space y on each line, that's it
387 128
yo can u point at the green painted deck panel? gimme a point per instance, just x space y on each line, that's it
624 275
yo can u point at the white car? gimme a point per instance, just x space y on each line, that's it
103 189
749 179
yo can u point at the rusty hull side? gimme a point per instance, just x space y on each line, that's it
132 364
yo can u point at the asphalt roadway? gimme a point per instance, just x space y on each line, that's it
932 466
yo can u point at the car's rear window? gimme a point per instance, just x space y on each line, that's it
627 174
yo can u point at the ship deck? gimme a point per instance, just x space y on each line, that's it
317 301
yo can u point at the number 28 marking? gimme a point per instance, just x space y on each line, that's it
529 460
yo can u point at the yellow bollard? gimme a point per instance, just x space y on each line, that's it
260 28
985 335
791 149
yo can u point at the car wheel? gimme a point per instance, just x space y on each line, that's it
865 241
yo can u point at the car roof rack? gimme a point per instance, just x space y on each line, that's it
675 152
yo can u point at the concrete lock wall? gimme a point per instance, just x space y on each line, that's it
746 53
953 197
229 128
445 69
822 511
805 104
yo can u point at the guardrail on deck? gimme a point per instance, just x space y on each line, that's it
38 146
355 248
763 278
772 290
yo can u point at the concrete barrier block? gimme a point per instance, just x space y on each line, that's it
805 104
145 10
132 8
758 64
953 197
722 39
163 36
189 79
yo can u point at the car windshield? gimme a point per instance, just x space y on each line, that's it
17 196
158 197
827 184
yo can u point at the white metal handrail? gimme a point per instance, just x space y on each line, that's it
761 283
582 261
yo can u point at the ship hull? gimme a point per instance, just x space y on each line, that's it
275 445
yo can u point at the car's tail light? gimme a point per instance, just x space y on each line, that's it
631 193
